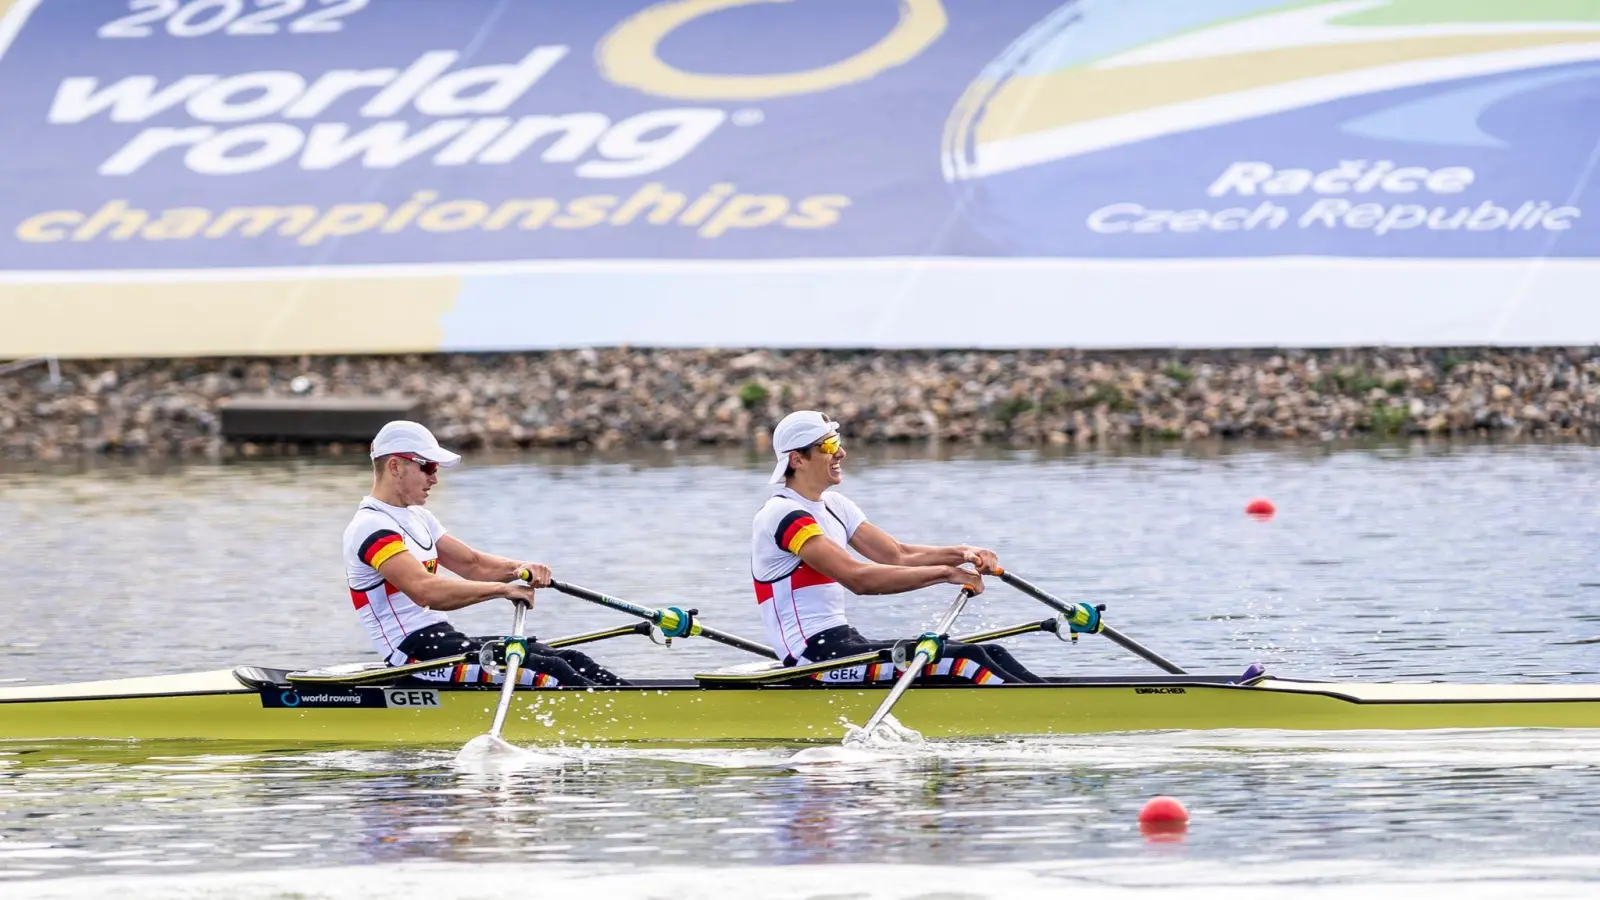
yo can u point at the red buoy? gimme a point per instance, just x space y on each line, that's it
1261 508
1163 820
1163 811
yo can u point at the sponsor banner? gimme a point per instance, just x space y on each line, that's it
284 176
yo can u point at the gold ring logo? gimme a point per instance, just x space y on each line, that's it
627 55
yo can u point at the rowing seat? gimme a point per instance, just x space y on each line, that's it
757 673
353 674
260 678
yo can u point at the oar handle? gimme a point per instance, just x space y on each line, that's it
1065 608
655 615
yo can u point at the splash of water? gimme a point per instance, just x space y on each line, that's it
892 739
490 755
890 734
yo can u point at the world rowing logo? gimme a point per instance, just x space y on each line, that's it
630 55
289 698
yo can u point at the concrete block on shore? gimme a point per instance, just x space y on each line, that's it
311 419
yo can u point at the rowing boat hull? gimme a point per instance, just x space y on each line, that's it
216 705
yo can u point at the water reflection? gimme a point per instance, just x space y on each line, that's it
1273 797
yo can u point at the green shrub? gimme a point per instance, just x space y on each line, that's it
753 394
1181 374
1111 396
1385 419
1348 381
1008 409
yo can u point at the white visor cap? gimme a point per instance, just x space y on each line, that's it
401 436
797 431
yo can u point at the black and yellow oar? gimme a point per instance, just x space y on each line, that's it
1086 619
928 648
380 674
604 634
784 674
673 621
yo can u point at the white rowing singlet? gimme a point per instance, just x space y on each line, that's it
797 601
375 535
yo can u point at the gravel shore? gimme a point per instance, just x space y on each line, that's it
604 399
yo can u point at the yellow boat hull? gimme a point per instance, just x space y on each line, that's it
219 706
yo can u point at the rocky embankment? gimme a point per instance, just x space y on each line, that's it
613 398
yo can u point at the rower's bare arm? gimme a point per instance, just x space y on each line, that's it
880 546
476 565
444 594
860 577
471 563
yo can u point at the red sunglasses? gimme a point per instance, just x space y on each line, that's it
427 466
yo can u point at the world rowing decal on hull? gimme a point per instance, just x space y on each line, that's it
351 698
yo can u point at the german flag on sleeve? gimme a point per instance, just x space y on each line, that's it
380 547
795 529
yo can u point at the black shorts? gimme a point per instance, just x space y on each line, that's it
959 664
545 666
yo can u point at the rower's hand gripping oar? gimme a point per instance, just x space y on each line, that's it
929 646
1085 619
673 621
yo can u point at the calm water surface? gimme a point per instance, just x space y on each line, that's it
1403 563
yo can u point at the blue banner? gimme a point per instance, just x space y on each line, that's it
174 134
247 175
159 134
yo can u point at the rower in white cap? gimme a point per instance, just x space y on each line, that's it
392 552
805 577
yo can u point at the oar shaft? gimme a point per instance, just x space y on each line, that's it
1133 646
590 637
950 615
1116 636
653 615
980 637
887 653
513 672
736 642
911 673
616 603
914 666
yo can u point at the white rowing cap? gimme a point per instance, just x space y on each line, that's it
402 436
797 431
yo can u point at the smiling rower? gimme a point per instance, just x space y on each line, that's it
805 578
393 549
